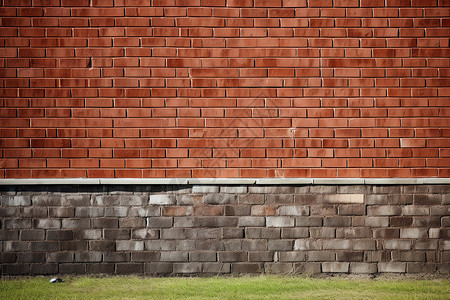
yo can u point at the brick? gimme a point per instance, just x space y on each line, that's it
397 245
335 267
293 211
260 256
279 222
413 233
391 267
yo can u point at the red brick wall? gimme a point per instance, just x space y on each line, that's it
225 88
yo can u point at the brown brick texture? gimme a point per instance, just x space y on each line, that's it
224 88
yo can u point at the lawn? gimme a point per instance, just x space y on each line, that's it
261 287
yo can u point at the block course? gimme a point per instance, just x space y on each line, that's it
121 230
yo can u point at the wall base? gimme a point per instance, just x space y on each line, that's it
162 230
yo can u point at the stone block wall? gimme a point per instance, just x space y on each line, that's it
224 229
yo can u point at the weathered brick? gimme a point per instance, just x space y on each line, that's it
397 245
88 234
32 235
426 222
120 234
160 222
232 256
129 245
384 210
293 211
251 199
90 256
260 256
61 212
18 200
320 233
279 222
129 268
17 223
337 221
174 256
351 210
162 199
216 268
89 212
278 198
264 210
246 268
203 256
377 199
307 244
366 244
321 256
408 256
280 245
275 189
335 267
153 211
145 256
430 199
232 233
353 232
386 189
308 221
414 210
413 233
101 245
377 221
251 221
415 268
294 233
336 244
363 268
293 256
237 210
401 221
116 211
386 233
344 198
348 256
262 233
391 267
220 199
254 244
144 233
156 268
279 268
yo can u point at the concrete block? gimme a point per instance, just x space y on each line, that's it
203 256
292 256
384 210
32 235
131 222
47 200
145 256
129 268
16 269
280 245
307 244
321 256
416 268
234 189
104 200
386 189
293 210
232 233
60 257
74 245
386 233
279 198
30 257
307 268
430 199
344 198
377 221
133 200
391 267
158 268
236 210
271 189
260 256
363 268
414 210
320 233
397 245
352 210
353 232
162 199
152 211
251 221
72 268
216 268
220 199
337 221
279 268
349 256
232 256
117 234
413 233
159 222
336 244
335 267
174 256
308 221
187 268
129 245
44 246
15 246
254 245
102 245
251 199
44 269
205 189
90 256
279 222
116 257
294 233
61 212
116 211
366 244
409 256
426 222
377 199
247 268
17 200
100 268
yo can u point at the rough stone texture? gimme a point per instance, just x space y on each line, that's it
224 229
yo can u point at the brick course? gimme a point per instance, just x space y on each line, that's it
226 88
122 231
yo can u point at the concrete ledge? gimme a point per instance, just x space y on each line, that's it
230 181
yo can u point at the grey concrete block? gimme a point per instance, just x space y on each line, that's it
280 245
234 189
260 256
216 268
129 268
409 256
251 221
307 244
232 256
129 245
44 269
174 256
100 268
17 200
152 211
205 189
47 200
307 268
220 199
163 199
157 268
335 267
321 256
363 268
247 268
279 222
279 268
292 256
30 257
203 256
32 235
61 212
60 257
391 267
413 233
72 268
116 257
293 210
90 256
145 256
187 268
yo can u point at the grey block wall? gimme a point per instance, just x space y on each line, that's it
211 229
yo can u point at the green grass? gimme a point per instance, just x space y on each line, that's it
262 287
